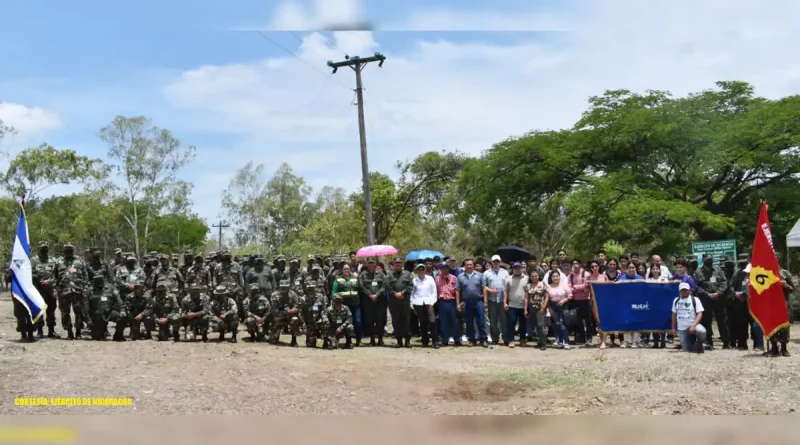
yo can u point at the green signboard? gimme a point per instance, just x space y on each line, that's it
715 248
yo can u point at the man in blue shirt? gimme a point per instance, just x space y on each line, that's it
453 266
469 289
493 293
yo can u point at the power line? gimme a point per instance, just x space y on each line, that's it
293 54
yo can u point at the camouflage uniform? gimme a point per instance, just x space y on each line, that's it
127 276
118 261
279 271
44 280
224 313
337 321
285 313
188 258
72 280
105 305
711 280
139 304
257 307
295 276
170 276
261 275
229 274
782 335
313 304
198 274
165 307
195 313
96 266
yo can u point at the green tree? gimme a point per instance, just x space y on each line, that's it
147 160
35 169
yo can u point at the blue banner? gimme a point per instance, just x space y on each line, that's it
634 305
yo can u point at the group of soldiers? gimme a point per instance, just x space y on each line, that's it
213 293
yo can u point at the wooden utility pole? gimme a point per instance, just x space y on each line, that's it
357 64
220 225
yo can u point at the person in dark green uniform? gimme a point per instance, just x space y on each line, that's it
712 291
347 286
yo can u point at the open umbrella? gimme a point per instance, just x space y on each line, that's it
511 254
376 250
415 255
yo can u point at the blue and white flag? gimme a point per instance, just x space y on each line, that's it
21 278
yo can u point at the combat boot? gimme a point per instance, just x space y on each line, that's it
233 335
51 332
784 351
205 336
70 335
118 336
372 341
380 341
348 342
41 331
221 335
77 334
294 341
408 342
772 351
358 342
311 342
176 335
325 343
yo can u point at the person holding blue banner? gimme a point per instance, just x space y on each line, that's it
629 275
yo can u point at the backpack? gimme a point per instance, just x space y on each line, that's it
694 304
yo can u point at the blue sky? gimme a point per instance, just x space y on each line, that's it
460 74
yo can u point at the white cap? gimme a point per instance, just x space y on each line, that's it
496 258
684 286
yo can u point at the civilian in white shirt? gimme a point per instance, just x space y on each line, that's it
423 297
687 312
656 262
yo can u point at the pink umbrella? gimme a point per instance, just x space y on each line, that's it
377 250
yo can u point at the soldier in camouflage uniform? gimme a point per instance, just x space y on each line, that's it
72 280
258 311
118 261
44 279
188 258
312 304
198 273
139 311
166 312
262 276
97 266
782 335
337 321
195 313
279 272
296 276
127 276
170 276
229 274
224 313
105 305
285 313
712 290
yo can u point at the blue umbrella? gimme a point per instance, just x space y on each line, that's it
415 255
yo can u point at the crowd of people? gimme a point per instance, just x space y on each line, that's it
443 301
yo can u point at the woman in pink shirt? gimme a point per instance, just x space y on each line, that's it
596 277
579 285
559 295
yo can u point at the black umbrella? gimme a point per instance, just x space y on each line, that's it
511 254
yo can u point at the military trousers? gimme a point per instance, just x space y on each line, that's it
329 331
100 325
75 302
50 313
292 322
715 310
739 316
374 315
228 323
168 329
196 325
24 322
401 317
255 328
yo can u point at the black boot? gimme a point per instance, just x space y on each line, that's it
772 351
77 334
358 342
380 341
205 336
784 351
399 343
348 342
41 331
408 342
51 332
70 335
176 335
233 335
325 343
221 335
118 336
372 341
294 341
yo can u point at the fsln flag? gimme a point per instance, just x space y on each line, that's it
21 278
767 303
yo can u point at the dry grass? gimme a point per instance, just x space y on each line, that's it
197 378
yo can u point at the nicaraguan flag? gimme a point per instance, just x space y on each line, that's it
21 278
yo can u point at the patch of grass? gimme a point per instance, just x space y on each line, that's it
539 378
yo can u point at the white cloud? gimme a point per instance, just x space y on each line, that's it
436 93
294 15
28 122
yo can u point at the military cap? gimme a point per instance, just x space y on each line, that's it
175 256
744 257
707 255
280 258
337 296
153 253
726 259
163 256
220 290
311 258
161 285
99 277
188 254
370 260
87 250
198 257
117 251
44 243
68 245
397 260
294 260
259 259
138 286
254 286
226 252
691 257
130 256
316 267
284 284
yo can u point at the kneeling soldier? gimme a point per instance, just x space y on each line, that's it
224 313
285 313
337 321
257 310
195 313
139 311
166 313
105 305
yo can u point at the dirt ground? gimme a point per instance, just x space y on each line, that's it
214 378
